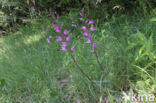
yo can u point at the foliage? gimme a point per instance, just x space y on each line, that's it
35 71
15 11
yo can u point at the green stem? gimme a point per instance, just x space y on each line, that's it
79 68
97 58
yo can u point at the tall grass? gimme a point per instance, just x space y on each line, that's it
38 72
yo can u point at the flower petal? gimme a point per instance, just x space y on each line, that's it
72 48
94 45
68 38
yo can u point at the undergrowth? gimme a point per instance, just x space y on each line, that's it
33 71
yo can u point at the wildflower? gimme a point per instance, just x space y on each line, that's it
68 38
62 23
53 25
48 40
83 27
59 38
65 32
94 45
63 48
64 44
91 22
88 41
57 29
89 35
86 21
82 9
92 51
72 48
85 34
73 25
80 13
92 28
50 37
80 19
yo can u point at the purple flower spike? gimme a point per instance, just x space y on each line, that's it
94 45
64 44
68 38
50 37
88 41
48 40
89 35
62 23
73 25
72 48
83 27
85 34
65 32
59 38
92 51
63 48
57 29
92 28
91 22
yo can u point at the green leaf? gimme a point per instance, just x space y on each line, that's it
2 83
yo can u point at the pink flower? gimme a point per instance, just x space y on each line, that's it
92 51
72 48
80 13
92 28
89 35
91 22
59 38
65 32
85 34
64 44
80 19
62 23
82 9
53 25
57 29
94 45
86 21
63 48
48 40
83 27
88 41
68 38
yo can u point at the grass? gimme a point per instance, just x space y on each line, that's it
38 72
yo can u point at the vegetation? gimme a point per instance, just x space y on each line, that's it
33 69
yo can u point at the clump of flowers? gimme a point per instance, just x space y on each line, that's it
64 37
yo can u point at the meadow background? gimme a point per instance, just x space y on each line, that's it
35 71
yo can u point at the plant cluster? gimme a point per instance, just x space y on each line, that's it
63 36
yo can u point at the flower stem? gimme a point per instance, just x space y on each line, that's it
97 58
77 65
